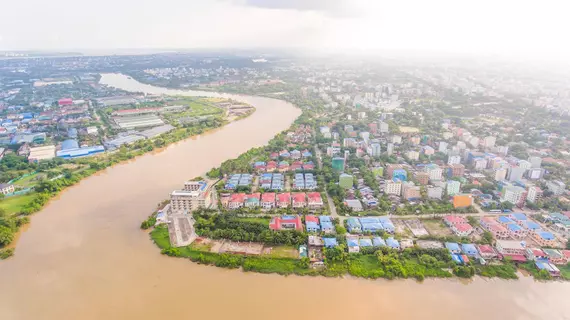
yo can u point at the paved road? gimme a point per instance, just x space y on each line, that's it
332 207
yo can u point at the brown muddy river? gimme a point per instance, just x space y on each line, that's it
84 256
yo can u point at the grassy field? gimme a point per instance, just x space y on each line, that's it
160 236
283 252
15 204
565 271
197 108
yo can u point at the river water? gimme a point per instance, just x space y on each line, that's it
84 256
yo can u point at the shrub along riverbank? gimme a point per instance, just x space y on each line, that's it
44 190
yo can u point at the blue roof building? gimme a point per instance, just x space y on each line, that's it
330 242
453 247
352 242
80 152
327 227
69 144
393 243
469 249
505 220
545 235
378 242
399 174
312 226
518 216
365 242
371 224
456 258
354 225
530 225
325 219
513 227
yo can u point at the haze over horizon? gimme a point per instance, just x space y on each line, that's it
517 29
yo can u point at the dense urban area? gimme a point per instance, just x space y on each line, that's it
393 170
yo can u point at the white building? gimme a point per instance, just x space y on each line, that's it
556 187
474 142
525 164
534 194
390 148
396 139
375 150
193 197
442 147
434 171
453 160
535 162
435 192
453 187
393 187
413 155
383 127
500 174
513 194
480 164
516 173
489 141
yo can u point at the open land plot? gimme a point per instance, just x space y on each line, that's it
30 180
249 248
416 227
281 252
15 204
436 227
196 108
400 227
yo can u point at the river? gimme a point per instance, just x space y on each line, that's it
84 256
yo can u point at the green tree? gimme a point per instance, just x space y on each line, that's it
6 235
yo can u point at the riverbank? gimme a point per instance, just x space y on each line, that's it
16 209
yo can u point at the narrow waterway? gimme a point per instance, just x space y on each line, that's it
84 256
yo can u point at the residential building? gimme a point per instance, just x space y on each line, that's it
456 170
315 200
480 164
353 225
421 177
489 141
515 195
453 247
383 127
534 194
500 174
391 168
511 247
524 164
413 155
400 174
452 187
375 150
434 192
469 249
6 188
556 187
410 191
299 200
516 173
326 224
268 201
434 171
283 200
535 173
312 224
535 162
544 238
188 201
390 149
486 251
286 223
393 187
453 160
252 200
338 164
354 204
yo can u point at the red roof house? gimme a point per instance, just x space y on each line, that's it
286 223
299 200
268 200
236 200
315 200
284 200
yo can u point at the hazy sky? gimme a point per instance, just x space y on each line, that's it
524 28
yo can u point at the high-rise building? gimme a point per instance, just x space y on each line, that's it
456 170
410 191
535 162
516 173
480 163
383 127
434 171
515 195
556 187
534 194
452 187
442 147
535 173
390 149
453 160
422 177
524 164
375 150
393 187
500 174
338 164
396 139
489 141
